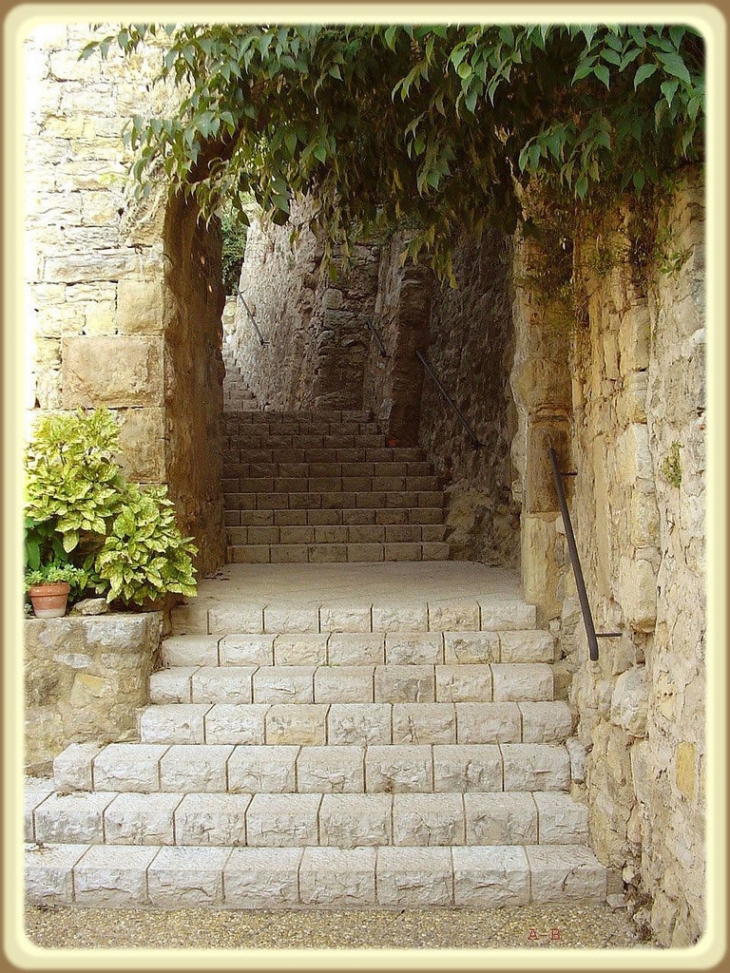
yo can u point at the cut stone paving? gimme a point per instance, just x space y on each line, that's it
329 735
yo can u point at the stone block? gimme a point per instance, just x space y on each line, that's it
189 650
141 306
414 877
112 371
506 616
400 618
398 769
630 700
337 878
545 722
459 768
331 770
428 819
141 819
194 768
297 723
463 684
257 769
424 723
560 873
500 819
490 877
287 619
343 684
49 873
212 819
246 650
359 724
487 723
262 878
417 648
224 684
34 794
526 646
638 593
535 767
561 820
343 619
226 619
284 684
515 682
355 649
404 684
641 765
230 723
471 648
173 723
72 769
171 685
72 818
143 442
113 875
356 820
129 767
453 616
300 650
187 877
283 820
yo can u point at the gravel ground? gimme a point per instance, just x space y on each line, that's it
576 927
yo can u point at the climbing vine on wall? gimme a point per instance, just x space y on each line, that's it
438 124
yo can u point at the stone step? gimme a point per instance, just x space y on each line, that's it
390 877
232 484
388 534
307 440
312 415
300 454
227 618
232 460
308 819
356 724
353 649
338 499
408 682
331 553
337 516
260 426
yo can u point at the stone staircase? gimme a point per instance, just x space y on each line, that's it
362 754
325 487
237 396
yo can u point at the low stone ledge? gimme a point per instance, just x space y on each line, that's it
85 678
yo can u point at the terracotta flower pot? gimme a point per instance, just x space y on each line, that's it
49 600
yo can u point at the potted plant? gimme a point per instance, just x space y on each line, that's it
49 587
121 539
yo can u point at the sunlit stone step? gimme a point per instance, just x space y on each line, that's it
476 876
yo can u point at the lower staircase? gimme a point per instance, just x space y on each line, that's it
379 753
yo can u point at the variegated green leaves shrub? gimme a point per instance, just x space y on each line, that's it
80 510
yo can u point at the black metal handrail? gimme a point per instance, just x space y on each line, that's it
262 341
430 369
379 340
591 633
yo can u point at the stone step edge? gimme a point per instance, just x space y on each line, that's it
273 619
310 819
315 877
137 765
333 650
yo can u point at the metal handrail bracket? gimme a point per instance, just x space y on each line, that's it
585 607
430 369
262 341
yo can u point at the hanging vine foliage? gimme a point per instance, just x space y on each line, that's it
435 126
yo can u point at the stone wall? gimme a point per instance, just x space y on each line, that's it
315 328
105 288
622 392
85 679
